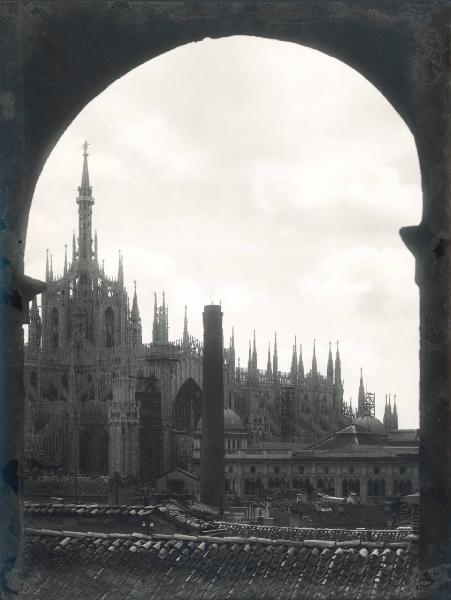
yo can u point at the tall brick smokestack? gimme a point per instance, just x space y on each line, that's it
212 472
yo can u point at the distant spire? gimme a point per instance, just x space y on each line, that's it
268 364
249 360
361 397
254 354
275 359
300 365
185 329
395 415
338 368
232 339
120 270
65 259
135 319
47 265
314 364
164 300
294 363
95 245
51 267
74 249
85 187
330 366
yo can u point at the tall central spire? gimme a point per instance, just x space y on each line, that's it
85 202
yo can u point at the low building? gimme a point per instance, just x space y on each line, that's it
362 458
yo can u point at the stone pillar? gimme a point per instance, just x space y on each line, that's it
212 470
430 244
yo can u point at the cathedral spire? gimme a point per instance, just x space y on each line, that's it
314 364
249 360
330 366
294 363
120 270
361 398
275 359
135 309
268 364
254 355
300 365
65 259
395 415
337 367
185 329
51 267
96 248
135 321
47 265
85 202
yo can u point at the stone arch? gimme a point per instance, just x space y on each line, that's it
187 407
401 49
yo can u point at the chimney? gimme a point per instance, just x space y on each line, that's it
212 471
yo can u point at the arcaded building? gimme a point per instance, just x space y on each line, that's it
100 400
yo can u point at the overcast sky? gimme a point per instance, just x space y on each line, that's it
264 175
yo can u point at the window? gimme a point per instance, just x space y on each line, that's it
301 469
376 470
402 470
230 469
252 469
276 469
351 470
326 470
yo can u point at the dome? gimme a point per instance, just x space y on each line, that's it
372 424
232 421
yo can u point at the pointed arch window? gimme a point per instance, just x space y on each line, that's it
109 327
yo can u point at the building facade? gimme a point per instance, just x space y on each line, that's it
99 400
363 458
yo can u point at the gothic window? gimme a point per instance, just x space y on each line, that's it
109 327
301 469
187 406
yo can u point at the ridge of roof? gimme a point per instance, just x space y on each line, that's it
135 536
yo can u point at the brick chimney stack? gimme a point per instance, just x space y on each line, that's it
212 470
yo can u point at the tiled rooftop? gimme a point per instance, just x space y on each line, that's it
245 530
172 512
70 565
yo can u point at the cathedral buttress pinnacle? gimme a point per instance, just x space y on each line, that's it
330 366
314 364
275 359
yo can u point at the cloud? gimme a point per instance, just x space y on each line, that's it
262 174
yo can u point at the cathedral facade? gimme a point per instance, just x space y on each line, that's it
99 400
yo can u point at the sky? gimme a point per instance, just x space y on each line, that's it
263 175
